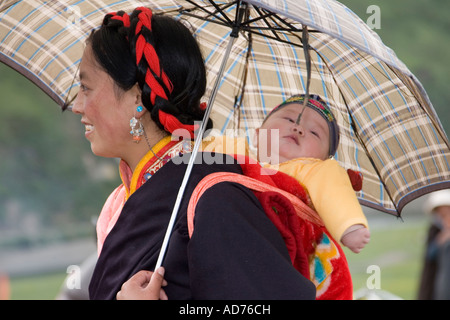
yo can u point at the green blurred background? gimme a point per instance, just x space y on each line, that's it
52 187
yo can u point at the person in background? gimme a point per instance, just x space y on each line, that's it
435 278
4 287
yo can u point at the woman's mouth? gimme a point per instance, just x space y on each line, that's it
88 128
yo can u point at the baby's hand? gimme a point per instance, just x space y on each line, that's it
144 285
357 239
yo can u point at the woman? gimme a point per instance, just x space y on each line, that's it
145 73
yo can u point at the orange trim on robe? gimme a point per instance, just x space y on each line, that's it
165 150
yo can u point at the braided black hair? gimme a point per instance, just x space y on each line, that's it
115 43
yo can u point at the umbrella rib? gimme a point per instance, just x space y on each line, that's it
221 22
273 38
245 29
5 7
221 11
290 28
68 101
353 125
263 18
305 41
277 26
272 27
244 82
225 22
280 21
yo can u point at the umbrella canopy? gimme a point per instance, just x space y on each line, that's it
389 129
44 40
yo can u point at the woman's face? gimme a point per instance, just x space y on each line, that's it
104 114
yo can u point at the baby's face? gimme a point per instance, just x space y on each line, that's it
308 139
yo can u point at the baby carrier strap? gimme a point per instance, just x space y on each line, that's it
303 211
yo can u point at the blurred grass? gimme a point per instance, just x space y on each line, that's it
37 287
397 249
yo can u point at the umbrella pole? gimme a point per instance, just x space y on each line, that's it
305 42
197 143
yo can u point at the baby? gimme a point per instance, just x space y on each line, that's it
308 137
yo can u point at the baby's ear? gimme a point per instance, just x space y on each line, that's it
356 178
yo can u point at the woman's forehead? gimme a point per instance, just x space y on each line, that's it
90 70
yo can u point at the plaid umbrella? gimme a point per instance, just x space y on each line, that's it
44 40
389 129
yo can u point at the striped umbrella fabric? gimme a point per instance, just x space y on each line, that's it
44 40
389 129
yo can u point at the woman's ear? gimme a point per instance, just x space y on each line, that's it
135 94
140 109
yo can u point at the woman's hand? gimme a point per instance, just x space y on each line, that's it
144 285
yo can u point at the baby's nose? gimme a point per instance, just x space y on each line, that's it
297 129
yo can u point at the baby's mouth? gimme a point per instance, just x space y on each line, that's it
293 138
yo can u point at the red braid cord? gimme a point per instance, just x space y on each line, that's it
143 48
157 89
171 123
125 18
145 18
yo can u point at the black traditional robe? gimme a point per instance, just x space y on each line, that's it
235 251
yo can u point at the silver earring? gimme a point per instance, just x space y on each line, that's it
137 129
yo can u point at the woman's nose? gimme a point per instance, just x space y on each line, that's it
77 106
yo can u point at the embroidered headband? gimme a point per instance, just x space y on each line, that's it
316 103
155 77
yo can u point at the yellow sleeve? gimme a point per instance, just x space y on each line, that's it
331 193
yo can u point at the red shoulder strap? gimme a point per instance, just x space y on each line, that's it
301 208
